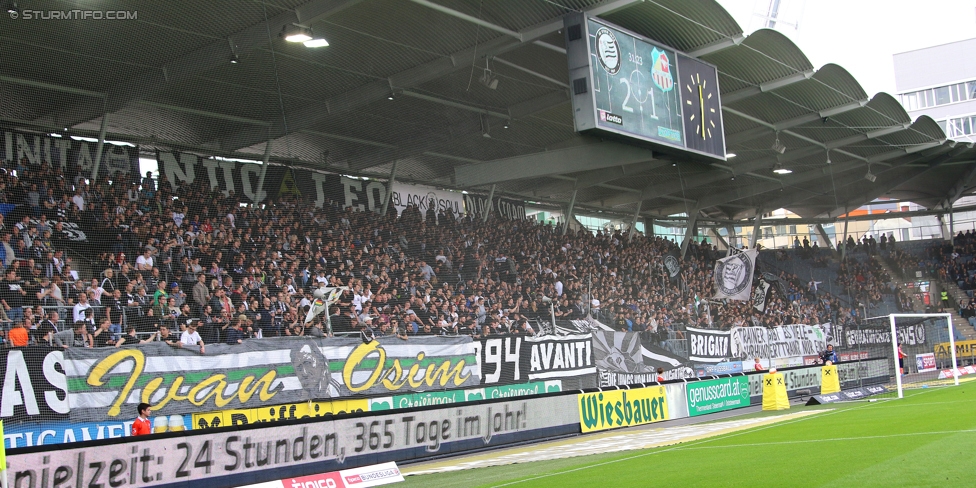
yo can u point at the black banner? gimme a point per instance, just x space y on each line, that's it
708 346
72 156
508 360
847 395
907 334
503 208
34 386
225 176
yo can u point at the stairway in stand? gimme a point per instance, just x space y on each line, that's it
960 297
958 323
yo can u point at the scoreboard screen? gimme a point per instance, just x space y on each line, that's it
627 85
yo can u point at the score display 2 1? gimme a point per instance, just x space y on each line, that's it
626 85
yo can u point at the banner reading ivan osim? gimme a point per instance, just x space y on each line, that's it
622 408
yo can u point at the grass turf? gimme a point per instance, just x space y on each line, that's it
926 439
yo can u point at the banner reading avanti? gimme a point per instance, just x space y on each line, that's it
109 383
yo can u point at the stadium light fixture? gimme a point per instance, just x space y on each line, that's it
780 170
296 33
870 176
317 42
234 59
730 155
828 156
12 8
487 79
778 146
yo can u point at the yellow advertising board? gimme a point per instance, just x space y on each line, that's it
963 349
274 413
622 408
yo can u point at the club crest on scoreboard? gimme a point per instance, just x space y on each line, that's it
661 70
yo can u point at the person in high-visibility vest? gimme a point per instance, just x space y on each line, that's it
945 300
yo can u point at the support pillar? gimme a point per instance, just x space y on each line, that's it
692 221
633 224
755 229
847 219
569 211
389 188
491 195
824 237
718 238
264 172
732 239
952 227
100 148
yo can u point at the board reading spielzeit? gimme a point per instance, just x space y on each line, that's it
626 85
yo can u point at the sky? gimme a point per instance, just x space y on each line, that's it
862 35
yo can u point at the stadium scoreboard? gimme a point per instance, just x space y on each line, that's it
626 85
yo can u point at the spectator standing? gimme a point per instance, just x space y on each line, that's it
190 336
12 295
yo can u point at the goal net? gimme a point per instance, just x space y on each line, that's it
900 352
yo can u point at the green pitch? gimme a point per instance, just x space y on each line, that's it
926 439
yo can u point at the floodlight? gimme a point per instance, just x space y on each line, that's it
296 33
780 170
317 42
488 80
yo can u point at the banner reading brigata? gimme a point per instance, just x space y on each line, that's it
108 383
70 155
708 346
713 346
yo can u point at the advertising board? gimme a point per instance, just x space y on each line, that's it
713 396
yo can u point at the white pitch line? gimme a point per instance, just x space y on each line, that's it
835 439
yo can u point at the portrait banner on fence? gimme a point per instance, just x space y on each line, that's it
618 352
733 276
108 383
760 296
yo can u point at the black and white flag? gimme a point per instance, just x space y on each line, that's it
733 276
760 295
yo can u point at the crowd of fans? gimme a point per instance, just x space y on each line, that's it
185 260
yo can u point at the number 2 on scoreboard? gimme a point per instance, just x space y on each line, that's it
627 108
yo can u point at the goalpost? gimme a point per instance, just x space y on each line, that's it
921 349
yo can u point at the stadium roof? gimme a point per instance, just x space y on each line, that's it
166 80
